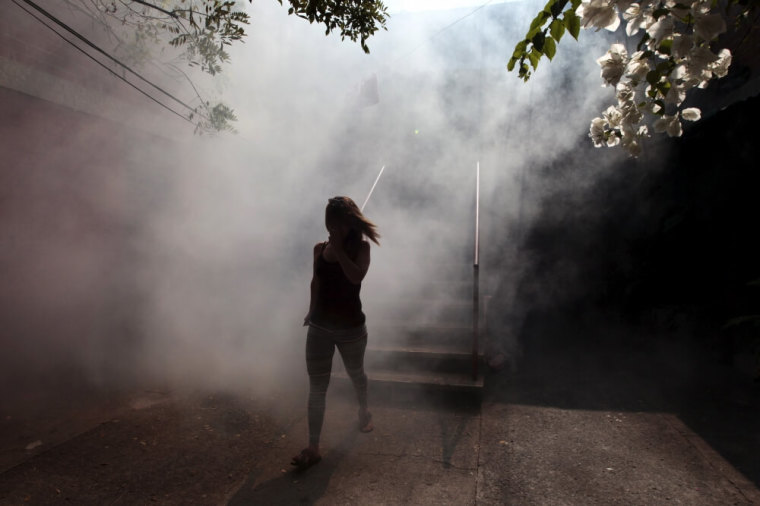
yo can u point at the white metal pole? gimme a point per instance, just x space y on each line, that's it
373 187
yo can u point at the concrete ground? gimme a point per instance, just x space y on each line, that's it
608 426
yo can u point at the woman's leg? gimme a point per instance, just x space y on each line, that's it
319 354
352 353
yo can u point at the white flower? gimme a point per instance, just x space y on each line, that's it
682 44
631 144
700 7
669 124
709 26
661 29
632 137
691 114
699 65
622 5
624 92
637 67
720 66
613 64
676 94
613 116
597 131
599 14
632 115
636 17
653 108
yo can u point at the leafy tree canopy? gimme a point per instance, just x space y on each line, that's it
202 29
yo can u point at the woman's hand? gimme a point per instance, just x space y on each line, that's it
336 239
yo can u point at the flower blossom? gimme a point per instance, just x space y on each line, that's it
709 26
599 14
613 64
691 114
637 18
688 62
682 44
669 124
631 138
720 66
699 7
638 67
597 132
613 116
661 29
699 65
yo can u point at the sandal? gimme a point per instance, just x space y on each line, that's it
365 422
305 459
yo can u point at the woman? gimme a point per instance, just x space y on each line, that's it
335 316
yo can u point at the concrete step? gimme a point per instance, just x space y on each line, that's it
430 366
420 379
430 350
426 358
421 333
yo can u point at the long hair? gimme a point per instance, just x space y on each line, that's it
344 210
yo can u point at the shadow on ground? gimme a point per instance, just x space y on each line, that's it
572 366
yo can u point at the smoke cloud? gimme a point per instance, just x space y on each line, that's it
185 260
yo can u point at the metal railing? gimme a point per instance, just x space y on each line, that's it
476 279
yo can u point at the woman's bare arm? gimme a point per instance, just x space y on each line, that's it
355 269
314 283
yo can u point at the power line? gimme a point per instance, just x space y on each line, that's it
104 53
107 55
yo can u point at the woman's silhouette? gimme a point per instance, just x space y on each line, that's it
335 316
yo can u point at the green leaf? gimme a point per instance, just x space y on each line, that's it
666 46
511 64
666 66
538 41
557 29
663 87
534 56
653 77
556 7
540 19
572 23
524 72
662 11
550 48
520 48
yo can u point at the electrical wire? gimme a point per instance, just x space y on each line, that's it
107 55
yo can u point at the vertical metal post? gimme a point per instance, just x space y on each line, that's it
476 278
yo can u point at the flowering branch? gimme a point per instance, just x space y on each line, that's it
672 57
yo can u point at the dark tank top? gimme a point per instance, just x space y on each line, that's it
338 305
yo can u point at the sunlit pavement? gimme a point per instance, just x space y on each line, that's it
578 429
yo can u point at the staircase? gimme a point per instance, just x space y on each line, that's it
424 341
428 336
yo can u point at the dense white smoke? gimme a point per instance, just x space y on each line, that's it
214 282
